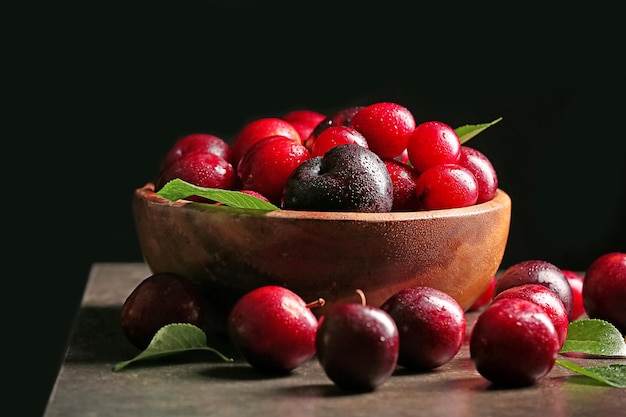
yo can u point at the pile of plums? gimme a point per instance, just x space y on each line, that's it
372 158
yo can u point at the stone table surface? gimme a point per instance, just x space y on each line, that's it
201 384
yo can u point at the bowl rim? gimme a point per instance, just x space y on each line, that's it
500 200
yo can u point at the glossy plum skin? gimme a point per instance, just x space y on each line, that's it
544 298
431 326
404 179
304 121
578 305
513 343
336 135
258 129
158 300
342 117
196 142
199 168
267 165
357 346
576 284
347 178
433 143
446 186
483 171
604 289
273 329
537 272
386 126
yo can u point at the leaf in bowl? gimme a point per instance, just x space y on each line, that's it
178 189
467 132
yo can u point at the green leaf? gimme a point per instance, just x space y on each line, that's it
172 339
467 132
178 189
613 375
594 337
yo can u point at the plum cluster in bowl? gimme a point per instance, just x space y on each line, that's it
331 255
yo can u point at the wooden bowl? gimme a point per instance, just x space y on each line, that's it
230 251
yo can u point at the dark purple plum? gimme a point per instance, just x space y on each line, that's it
158 300
348 177
357 345
431 325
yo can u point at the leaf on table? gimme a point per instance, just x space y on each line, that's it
178 189
613 375
173 339
467 132
594 338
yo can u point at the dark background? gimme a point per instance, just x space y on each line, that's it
101 92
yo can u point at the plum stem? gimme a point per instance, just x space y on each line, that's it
361 295
317 303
